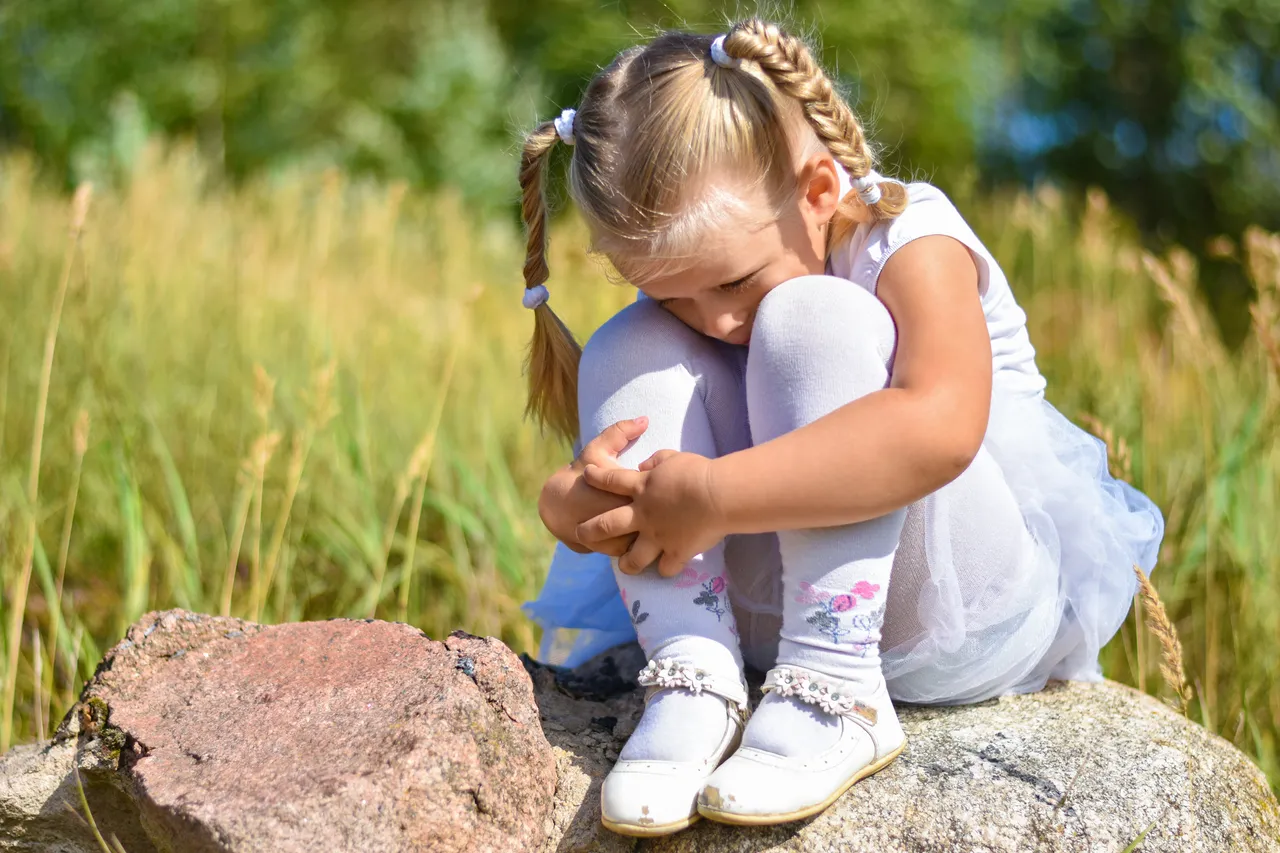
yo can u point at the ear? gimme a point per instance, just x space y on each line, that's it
819 185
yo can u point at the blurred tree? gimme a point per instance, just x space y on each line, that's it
418 90
1170 106
908 68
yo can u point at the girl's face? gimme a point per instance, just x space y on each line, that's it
719 294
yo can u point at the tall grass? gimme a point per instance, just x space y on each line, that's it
302 399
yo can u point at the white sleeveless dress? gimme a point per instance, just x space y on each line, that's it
1087 529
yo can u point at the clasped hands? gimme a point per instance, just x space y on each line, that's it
666 511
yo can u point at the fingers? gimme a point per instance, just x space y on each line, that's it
614 547
657 459
670 565
618 481
642 553
609 525
606 446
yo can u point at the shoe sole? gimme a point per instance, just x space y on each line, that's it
635 830
800 814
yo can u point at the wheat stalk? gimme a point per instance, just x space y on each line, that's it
1172 669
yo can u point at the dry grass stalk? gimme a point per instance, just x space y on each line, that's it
419 467
18 598
415 472
264 391
252 471
1175 279
37 684
87 818
1262 251
1161 627
321 410
1120 458
79 446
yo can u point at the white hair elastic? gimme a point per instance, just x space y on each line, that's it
868 187
564 126
534 296
721 58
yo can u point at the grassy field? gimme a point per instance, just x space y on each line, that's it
302 399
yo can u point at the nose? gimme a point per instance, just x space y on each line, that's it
719 324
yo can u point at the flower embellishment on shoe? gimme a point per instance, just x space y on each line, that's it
831 695
669 673
666 672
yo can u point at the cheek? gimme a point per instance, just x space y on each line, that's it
686 313
759 293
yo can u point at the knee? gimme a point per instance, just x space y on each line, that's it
641 346
640 338
818 342
823 316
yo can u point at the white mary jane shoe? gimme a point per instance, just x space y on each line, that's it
755 787
650 798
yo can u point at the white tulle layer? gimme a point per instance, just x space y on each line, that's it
1048 617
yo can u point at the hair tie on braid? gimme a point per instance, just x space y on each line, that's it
535 296
719 56
868 186
564 126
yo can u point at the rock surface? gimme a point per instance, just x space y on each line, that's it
1076 767
206 734
223 735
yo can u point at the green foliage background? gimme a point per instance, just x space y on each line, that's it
1168 106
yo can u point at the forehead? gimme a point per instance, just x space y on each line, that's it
723 256
711 240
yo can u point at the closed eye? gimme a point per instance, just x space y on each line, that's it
739 285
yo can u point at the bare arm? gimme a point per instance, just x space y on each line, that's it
913 437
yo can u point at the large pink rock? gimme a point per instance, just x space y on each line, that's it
338 735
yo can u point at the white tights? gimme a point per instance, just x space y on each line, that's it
817 343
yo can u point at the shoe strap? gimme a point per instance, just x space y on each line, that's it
667 672
833 695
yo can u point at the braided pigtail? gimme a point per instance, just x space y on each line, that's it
793 70
552 364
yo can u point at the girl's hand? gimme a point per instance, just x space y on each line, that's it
567 500
673 511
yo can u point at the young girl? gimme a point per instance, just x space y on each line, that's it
823 445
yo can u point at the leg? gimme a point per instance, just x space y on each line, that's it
818 343
973 603
646 362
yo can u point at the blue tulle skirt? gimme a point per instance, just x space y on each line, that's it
1047 617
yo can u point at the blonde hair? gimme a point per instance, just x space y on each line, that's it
653 129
